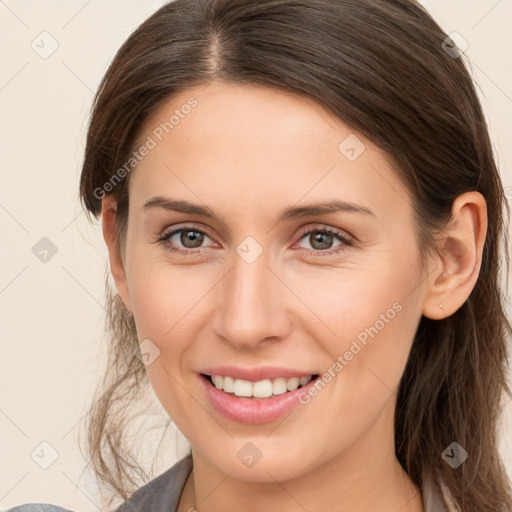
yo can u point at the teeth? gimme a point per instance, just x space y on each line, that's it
304 380
261 389
228 384
292 384
279 386
242 387
217 381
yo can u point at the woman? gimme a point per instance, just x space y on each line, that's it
303 217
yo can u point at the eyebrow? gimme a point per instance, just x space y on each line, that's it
291 212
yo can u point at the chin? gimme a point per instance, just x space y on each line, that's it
273 463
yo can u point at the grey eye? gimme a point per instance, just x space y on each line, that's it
321 240
188 238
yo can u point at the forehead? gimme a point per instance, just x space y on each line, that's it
253 146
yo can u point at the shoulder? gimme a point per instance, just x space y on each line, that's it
162 493
37 507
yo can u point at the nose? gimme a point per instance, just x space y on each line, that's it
252 304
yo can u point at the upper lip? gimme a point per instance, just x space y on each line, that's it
256 374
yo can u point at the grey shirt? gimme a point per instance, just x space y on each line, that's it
162 494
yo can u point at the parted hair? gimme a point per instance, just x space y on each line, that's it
385 69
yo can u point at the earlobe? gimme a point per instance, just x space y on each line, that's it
456 267
108 222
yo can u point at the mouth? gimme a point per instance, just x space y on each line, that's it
254 402
262 389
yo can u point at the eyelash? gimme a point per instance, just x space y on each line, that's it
347 242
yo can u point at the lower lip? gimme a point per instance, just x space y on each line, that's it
253 411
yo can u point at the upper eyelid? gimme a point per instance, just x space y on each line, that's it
321 227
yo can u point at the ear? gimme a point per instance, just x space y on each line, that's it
108 222
454 271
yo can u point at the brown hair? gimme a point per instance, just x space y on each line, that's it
382 68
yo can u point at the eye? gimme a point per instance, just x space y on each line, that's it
188 238
322 239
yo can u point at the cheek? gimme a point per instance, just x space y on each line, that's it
347 302
167 301
368 319
166 304
373 335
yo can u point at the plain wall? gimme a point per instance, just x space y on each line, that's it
53 312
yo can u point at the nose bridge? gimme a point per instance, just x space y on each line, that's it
249 309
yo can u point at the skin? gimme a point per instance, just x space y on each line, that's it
248 153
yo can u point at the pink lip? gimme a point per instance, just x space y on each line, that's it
252 411
257 374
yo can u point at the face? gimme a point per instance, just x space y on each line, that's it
270 285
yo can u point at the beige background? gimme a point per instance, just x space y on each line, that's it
52 313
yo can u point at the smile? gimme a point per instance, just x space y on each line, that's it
254 403
260 389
